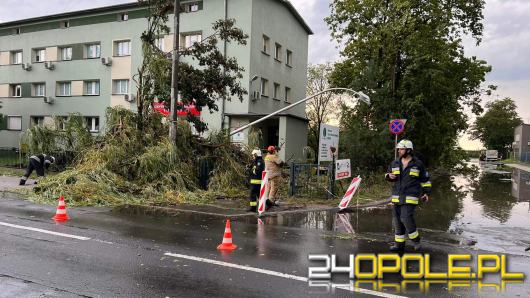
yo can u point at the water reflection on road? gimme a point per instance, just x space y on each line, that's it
487 209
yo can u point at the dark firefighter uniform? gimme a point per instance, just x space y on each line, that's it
38 163
256 170
410 184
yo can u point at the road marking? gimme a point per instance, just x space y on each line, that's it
43 231
278 274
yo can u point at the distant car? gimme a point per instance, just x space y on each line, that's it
492 155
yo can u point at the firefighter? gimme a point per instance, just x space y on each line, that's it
39 163
273 166
256 170
411 184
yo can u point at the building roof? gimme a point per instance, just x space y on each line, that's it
78 13
125 6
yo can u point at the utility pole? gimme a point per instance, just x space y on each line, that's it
174 73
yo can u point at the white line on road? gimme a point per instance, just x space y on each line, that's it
43 231
278 274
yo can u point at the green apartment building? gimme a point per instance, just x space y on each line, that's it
84 62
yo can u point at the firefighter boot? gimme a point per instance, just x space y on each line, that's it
397 247
22 182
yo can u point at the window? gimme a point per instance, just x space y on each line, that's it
66 54
278 52
122 48
37 121
16 90
16 57
65 24
16 31
91 88
191 39
123 16
159 43
93 51
40 55
264 87
276 93
289 60
287 94
121 86
39 89
64 89
266 44
14 122
192 6
92 124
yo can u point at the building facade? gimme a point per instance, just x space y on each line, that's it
521 144
85 61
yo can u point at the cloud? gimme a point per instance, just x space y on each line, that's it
321 48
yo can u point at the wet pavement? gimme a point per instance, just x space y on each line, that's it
126 253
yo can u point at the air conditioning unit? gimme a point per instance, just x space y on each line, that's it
256 95
129 97
26 66
106 61
48 99
49 65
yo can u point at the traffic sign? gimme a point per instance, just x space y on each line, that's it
397 126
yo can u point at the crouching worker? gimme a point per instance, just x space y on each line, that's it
38 163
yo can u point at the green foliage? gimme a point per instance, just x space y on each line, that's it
408 57
210 76
66 137
495 128
127 166
321 108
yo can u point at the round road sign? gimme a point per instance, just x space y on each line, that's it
397 126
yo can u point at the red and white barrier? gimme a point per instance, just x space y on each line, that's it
354 185
263 193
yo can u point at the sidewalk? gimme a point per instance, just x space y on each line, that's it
8 183
519 166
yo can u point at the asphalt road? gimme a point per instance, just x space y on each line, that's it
103 253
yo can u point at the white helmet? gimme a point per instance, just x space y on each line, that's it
256 152
405 144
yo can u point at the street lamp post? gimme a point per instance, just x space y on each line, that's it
357 94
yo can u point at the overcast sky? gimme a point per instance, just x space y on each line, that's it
505 45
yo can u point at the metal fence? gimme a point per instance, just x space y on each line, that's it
11 157
309 180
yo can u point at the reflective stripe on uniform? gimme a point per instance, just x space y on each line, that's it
399 238
24 178
395 199
253 203
411 200
415 172
395 171
35 158
426 184
255 181
414 235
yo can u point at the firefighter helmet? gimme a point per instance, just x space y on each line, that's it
405 144
256 152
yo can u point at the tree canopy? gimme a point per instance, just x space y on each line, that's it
205 73
495 128
407 55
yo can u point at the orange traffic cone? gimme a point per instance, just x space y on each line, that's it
227 239
61 215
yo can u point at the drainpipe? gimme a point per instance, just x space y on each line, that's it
224 53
